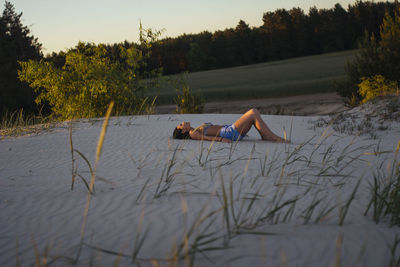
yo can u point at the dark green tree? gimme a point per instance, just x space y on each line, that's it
16 44
298 32
278 25
375 57
196 57
390 45
244 44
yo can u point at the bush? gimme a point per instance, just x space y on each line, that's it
187 102
375 86
90 78
85 85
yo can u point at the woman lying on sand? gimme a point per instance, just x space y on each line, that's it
228 133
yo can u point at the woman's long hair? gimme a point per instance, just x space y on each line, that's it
178 134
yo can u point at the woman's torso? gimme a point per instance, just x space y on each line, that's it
209 129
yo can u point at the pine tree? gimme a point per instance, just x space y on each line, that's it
16 44
390 46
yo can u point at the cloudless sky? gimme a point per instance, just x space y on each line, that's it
61 24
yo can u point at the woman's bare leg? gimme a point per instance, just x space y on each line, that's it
252 117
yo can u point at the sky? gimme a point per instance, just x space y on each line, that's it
61 24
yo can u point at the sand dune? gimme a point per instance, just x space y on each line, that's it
260 203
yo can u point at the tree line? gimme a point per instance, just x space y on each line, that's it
283 34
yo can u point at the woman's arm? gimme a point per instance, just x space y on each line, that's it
195 135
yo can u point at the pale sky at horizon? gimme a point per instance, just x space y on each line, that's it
60 25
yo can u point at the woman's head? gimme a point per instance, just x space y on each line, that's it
182 131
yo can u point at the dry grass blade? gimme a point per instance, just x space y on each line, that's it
278 207
36 250
73 170
310 209
117 260
100 143
284 134
118 254
17 260
339 244
84 181
155 263
225 208
90 169
396 165
395 260
86 160
138 239
343 210
284 259
242 232
111 252
142 191
375 200
324 213
89 195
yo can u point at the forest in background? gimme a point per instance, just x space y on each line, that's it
283 34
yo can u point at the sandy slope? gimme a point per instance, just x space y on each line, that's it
159 188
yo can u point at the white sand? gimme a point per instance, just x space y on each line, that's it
37 205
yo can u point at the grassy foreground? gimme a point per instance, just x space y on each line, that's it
296 76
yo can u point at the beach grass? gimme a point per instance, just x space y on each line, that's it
239 207
19 123
297 76
385 192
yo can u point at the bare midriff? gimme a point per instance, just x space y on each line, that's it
213 130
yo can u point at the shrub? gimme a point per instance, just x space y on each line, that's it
187 102
375 86
91 78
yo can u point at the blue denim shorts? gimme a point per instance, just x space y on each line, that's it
230 132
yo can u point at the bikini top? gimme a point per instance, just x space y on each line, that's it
205 127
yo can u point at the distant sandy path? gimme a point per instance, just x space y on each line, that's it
312 104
